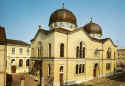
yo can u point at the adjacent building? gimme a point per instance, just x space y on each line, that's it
18 56
2 57
69 54
121 56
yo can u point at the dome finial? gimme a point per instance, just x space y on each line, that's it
91 19
63 5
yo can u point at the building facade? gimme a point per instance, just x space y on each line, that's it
70 54
121 56
2 56
18 56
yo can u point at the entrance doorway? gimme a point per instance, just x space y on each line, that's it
13 69
95 70
61 76
61 79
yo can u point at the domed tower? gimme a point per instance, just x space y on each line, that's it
63 18
94 30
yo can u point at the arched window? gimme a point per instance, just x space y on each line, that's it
77 51
61 68
83 68
21 50
62 50
97 53
77 69
32 52
49 69
83 52
80 68
38 51
80 49
108 66
28 50
109 53
39 48
114 55
20 62
12 60
27 62
49 50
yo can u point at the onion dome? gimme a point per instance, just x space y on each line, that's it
62 15
93 28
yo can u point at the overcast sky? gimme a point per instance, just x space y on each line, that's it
22 17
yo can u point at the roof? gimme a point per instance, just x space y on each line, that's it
62 30
41 30
17 42
2 35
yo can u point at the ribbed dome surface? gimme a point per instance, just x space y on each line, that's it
62 15
93 28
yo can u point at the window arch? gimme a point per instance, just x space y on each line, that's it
83 52
20 62
80 68
109 53
83 68
32 52
39 48
77 67
97 52
61 68
27 62
81 49
77 51
12 60
108 66
49 69
49 50
62 50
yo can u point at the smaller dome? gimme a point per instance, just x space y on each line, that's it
93 28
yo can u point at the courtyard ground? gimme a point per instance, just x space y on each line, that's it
28 80
116 80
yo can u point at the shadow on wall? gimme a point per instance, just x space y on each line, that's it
8 80
118 77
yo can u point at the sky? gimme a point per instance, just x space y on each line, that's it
22 17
